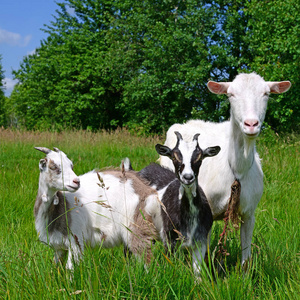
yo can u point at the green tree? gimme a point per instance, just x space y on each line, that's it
2 97
62 84
229 47
139 64
228 53
273 37
166 65
144 64
260 36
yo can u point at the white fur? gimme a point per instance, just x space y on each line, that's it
111 207
80 232
187 150
248 96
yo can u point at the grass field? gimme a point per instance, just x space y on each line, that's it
27 270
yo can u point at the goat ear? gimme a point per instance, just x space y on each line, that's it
163 150
43 164
279 87
218 87
211 151
56 149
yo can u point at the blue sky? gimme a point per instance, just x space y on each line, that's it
20 32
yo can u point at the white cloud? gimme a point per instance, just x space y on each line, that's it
8 85
13 39
31 52
27 39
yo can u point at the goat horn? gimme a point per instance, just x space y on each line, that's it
43 149
195 138
179 136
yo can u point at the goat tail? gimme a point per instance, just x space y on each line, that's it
126 165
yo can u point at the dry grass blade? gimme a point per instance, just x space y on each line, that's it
180 235
103 204
101 184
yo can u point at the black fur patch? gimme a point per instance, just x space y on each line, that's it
157 175
179 214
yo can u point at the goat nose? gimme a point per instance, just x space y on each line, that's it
251 123
188 177
76 181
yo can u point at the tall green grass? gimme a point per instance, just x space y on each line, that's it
27 270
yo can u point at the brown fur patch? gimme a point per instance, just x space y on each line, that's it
140 186
231 215
56 214
143 229
58 218
37 204
143 233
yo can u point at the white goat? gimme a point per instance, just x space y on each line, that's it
108 209
248 95
185 212
54 226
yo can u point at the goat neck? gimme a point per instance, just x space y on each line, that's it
45 198
241 151
189 190
46 193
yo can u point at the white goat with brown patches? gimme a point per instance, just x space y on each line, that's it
109 209
238 160
53 216
118 203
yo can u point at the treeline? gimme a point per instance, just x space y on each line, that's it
145 64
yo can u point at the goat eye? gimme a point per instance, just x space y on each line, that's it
176 157
198 157
53 167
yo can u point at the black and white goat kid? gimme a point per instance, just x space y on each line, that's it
185 212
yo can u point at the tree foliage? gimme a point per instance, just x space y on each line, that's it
145 64
273 37
2 97
122 63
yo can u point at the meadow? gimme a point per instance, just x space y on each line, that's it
27 270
